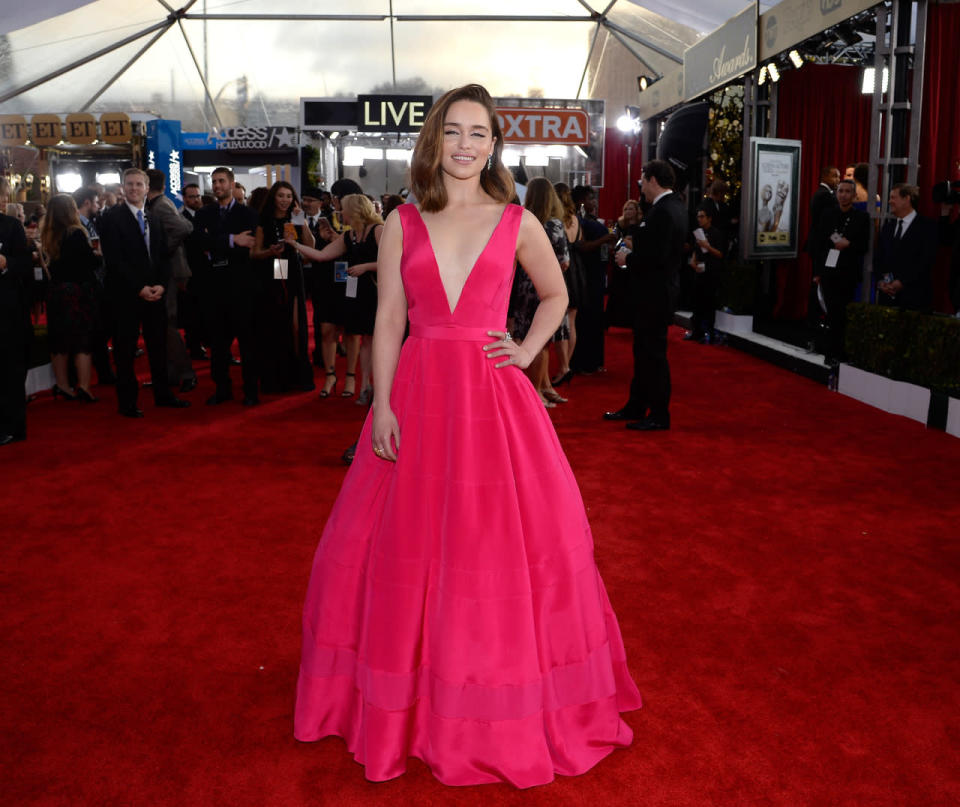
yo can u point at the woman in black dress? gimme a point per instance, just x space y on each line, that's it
72 300
359 247
328 305
285 360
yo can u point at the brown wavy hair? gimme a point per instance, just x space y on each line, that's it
566 200
542 200
426 172
61 219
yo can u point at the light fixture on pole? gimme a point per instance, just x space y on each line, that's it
796 58
643 82
629 123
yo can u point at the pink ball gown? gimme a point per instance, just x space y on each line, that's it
455 612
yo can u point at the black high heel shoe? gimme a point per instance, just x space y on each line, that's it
563 379
69 396
86 396
325 392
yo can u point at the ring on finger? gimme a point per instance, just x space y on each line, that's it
507 337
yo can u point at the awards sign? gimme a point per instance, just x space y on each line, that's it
728 52
772 215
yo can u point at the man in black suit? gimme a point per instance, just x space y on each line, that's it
16 275
229 290
188 299
138 277
824 198
653 282
837 244
905 253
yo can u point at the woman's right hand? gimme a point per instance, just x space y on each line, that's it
386 434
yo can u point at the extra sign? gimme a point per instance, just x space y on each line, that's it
569 127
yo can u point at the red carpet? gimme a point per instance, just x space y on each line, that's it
784 564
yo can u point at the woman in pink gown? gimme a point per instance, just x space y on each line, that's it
455 612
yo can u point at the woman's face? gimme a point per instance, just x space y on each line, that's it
630 211
467 140
283 200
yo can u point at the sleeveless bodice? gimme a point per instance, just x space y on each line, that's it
483 302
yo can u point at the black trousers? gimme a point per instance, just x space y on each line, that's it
838 292
650 387
229 315
190 315
13 379
132 315
99 338
704 302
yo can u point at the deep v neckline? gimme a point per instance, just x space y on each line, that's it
436 263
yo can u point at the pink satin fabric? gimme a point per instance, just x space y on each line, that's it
455 612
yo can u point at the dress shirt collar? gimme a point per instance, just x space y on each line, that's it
907 221
133 209
664 193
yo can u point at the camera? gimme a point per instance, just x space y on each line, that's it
946 193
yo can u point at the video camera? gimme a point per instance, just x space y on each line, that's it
946 193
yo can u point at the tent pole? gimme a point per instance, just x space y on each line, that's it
203 79
124 69
586 64
80 62
393 50
636 55
641 41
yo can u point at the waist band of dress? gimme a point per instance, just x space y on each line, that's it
452 333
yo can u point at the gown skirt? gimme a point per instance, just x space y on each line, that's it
454 611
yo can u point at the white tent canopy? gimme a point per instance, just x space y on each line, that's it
223 62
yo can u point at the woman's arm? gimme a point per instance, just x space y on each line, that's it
538 260
258 252
306 236
330 252
388 335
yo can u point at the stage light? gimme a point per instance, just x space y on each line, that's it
625 123
69 181
870 80
536 157
762 78
796 58
774 72
643 82
510 157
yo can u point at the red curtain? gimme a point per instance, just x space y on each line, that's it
940 135
613 194
821 106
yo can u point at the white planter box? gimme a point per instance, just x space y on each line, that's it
897 397
734 323
953 417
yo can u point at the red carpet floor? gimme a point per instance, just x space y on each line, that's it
784 564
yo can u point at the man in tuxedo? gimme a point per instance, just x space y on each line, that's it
653 268
188 299
838 243
137 278
176 229
16 275
823 199
905 253
229 290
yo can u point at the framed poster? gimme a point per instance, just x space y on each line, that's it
772 197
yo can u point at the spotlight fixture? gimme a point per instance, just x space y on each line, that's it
774 72
643 82
762 78
796 58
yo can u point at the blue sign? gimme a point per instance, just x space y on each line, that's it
163 153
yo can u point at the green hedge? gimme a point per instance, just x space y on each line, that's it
738 286
909 346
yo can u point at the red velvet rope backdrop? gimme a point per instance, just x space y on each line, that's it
821 106
940 135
